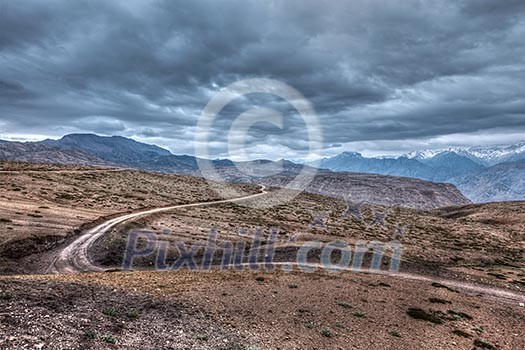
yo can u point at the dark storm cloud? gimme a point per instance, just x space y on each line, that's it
376 71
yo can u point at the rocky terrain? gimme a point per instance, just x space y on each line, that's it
41 153
42 205
47 314
251 310
380 189
483 174
483 243
501 182
460 282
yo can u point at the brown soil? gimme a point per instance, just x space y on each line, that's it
476 249
43 205
319 311
476 243
63 315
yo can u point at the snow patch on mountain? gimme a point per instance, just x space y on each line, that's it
486 155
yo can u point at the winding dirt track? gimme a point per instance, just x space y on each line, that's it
75 258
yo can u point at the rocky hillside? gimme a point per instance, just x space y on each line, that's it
36 152
441 167
355 162
381 189
501 182
90 149
448 165
114 149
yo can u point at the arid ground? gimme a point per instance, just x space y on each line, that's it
460 285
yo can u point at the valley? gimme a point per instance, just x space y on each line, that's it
462 266
44 205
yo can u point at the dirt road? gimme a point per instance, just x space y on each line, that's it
75 258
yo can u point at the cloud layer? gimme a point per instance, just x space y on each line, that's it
384 77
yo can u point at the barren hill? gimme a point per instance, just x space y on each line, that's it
381 189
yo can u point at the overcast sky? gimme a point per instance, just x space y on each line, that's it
385 77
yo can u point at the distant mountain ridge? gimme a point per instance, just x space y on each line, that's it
485 155
355 162
489 167
126 152
468 169
440 168
37 152
120 151
113 149
501 182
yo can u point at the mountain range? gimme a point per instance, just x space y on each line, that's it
483 174
484 155
442 167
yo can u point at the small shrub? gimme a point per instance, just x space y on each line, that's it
326 333
91 334
5 220
301 310
438 301
439 285
359 315
110 339
293 286
478 329
497 275
110 312
395 333
459 315
484 345
310 325
260 279
6 296
134 314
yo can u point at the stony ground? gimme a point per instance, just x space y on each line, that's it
478 245
42 205
484 243
254 310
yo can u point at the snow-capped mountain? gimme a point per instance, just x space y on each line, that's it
355 162
485 155
482 173
439 168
